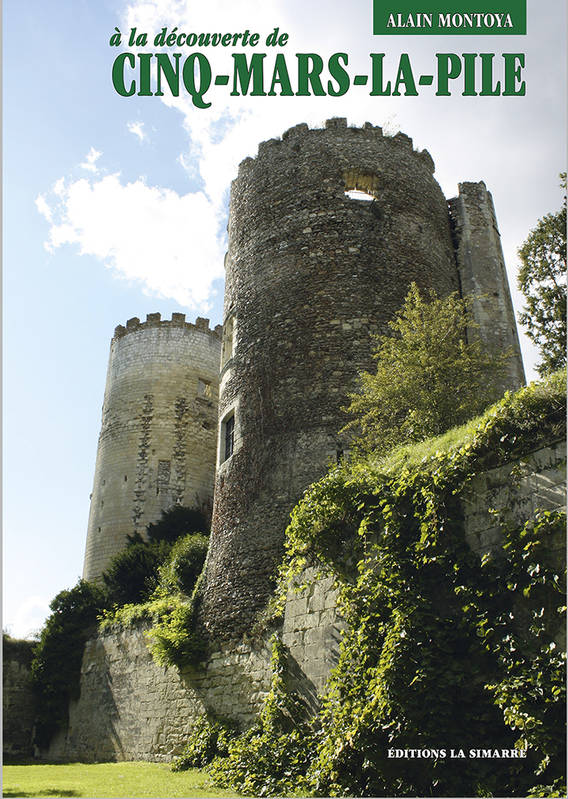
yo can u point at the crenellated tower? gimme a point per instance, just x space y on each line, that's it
159 421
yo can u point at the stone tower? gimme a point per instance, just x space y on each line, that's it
159 423
482 272
327 230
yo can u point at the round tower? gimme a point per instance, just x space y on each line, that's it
159 422
327 230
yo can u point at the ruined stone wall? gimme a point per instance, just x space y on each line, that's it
311 273
159 425
130 708
18 701
484 277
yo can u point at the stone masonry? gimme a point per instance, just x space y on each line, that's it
327 230
159 425
130 708
18 700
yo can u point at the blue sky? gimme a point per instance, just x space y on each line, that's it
116 207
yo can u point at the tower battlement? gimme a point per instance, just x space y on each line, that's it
177 320
335 128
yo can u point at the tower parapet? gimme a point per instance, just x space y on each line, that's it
157 442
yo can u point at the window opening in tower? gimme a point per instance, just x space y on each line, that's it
229 436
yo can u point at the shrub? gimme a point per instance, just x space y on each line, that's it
183 566
56 666
177 521
210 737
133 574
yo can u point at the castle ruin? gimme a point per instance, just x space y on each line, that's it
327 230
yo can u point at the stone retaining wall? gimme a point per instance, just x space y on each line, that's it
18 702
130 708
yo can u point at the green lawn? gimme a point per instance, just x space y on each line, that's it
107 780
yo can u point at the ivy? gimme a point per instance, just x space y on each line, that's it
173 633
272 757
210 737
442 650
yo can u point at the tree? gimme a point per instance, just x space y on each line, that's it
132 574
56 667
429 376
177 521
542 279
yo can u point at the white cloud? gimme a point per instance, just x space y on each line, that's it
43 207
170 243
137 128
464 145
90 164
29 617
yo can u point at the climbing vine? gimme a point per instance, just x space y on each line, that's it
272 757
445 653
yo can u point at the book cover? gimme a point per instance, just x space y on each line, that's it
124 127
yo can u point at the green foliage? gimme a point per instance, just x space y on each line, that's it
19 649
271 758
56 666
177 521
210 737
542 279
429 376
532 692
175 637
183 566
441 649
132 575
134 614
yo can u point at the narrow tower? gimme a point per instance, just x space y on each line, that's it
157 442
483 276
